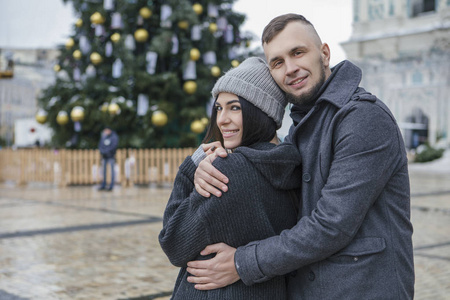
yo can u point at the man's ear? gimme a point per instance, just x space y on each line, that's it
326 54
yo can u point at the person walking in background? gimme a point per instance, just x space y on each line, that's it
108 145
249 108
353 239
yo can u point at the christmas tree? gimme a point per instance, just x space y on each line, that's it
145 68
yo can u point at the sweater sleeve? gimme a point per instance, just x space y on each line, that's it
183 235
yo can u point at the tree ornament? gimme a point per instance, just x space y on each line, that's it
194 54
69 44
115 37
56 68
62 118
205 121
129 42
104 107
159 118
114 109
213 10
215 71
209 58
41 116
85 46
197 127
175 45
190 72
196 33
229 35
117 68
151 58
212 27
235 63
142 105
166 12
79 23
97 18
108 4
116 21
77 114
90 71
77 54
183 25
99 30
76 74
141 35
190 87
96 58
198 8
145 12
108 49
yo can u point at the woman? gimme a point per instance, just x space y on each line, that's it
260 202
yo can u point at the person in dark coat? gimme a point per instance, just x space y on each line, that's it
108 145
353 239
248 109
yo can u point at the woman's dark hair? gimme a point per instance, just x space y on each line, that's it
257 126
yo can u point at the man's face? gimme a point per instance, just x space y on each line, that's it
298 62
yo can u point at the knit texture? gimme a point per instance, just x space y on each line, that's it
252 81
241 215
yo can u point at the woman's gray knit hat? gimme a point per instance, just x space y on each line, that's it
252 81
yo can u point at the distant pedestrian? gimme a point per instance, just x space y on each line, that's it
108 146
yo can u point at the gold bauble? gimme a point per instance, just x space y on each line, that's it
204 121
56 68
62 118
77 54
69 44
114 109
198 8
159 118
104 107
235 63
79 23
212 27
115 37
41 116
145 12
96 58
215 71
97 18
197 126
141 35
77 114
190 87
195 54
183 25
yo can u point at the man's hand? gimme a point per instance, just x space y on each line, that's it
216 272
207 179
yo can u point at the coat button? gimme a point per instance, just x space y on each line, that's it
311 276
306 177
355 258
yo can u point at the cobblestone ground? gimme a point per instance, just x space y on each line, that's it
78 243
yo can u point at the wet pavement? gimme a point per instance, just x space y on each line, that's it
79 243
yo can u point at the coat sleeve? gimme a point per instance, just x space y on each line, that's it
367 152
183 235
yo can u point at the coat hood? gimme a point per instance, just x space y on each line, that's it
279 164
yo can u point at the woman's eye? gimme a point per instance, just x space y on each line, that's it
218 108
235 107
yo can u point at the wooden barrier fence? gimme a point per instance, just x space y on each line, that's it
81 167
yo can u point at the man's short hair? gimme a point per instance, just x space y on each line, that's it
279 23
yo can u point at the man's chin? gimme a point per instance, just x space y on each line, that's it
300 100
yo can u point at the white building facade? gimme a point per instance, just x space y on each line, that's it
403 48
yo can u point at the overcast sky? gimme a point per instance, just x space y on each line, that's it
47 23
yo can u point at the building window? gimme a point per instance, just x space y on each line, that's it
356 10
417 78
422 6
376 10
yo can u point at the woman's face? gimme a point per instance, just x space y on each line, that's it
229 119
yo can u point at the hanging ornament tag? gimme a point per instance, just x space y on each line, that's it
116 21
151 58
166 12
85 46
99 30
196 33
117 68
76 74
129 42
90 71
77 126
213 11
108 4
222 23
175 45
229 37
209 58
142 105
231 53
108 49
190 73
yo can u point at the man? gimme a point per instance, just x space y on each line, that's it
108 146
353 237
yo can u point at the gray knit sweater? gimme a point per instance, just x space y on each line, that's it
258 204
